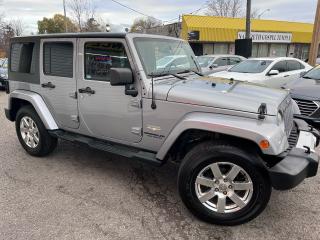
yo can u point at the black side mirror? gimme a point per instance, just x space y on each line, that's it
121 76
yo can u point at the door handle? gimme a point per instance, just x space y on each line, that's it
87 90
48 85
287 76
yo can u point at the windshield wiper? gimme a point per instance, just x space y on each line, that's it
190 70
166 74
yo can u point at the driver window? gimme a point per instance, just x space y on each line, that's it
100 57
280 66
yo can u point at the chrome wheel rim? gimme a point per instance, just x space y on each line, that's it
29 132
224 187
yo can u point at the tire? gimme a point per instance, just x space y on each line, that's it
201 162
44 144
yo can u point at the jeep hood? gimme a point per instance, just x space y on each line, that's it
221 93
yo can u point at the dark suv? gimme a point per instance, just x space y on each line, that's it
306 92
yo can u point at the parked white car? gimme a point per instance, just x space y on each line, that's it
272 72
216 63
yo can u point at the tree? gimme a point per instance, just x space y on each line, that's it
141 24
55 25
83 12
225 8
17 26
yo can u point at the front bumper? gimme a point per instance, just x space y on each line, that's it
313 121
301 162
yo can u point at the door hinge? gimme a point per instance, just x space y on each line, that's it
74 95
136 103
136 131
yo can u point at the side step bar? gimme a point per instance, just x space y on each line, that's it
114 148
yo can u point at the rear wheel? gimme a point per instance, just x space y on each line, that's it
32 134
221 184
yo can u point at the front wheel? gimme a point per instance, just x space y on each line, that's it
221 184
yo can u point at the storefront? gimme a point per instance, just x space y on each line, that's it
216 35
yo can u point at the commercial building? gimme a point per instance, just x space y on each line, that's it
216 35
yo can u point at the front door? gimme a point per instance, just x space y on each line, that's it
105 110
58 80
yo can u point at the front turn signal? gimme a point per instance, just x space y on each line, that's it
264 144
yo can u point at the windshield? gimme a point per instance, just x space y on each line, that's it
205 61
160 56
313 74
251 66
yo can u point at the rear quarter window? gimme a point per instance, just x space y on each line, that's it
21 57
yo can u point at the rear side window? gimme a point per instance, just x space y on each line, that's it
234 61
100 57
21 57
58 59
221 62
294 65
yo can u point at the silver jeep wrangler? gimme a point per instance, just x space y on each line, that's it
142 97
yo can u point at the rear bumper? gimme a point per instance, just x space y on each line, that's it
300 163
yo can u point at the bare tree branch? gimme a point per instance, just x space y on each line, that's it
82 11
224 8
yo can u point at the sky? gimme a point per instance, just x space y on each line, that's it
30 11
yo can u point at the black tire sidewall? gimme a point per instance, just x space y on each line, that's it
202 156
45 139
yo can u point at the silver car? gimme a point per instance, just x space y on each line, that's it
217 63
234 141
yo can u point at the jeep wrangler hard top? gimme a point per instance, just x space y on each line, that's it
142 97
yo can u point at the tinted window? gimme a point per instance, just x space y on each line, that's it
280 66
21 57
221 62
100 57
58 59
294 65
234 60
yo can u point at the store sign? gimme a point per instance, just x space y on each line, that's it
268 37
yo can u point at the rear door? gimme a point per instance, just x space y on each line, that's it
294 69
58 80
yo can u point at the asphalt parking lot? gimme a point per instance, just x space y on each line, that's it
81 193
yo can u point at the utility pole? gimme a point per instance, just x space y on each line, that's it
313 54
65 16
248 20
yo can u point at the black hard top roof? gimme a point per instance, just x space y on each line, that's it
74 35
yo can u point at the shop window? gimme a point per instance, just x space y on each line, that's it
207 49
278 50
221 48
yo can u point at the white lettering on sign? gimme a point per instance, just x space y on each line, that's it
268 37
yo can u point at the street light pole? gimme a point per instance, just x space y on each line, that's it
313 54
248 20
65 16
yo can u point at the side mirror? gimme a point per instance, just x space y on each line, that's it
302 73
121 76
273 73
214 66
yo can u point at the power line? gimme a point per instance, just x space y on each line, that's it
134 10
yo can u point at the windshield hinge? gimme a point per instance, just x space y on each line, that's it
262 111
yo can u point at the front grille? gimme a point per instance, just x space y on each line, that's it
307 108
